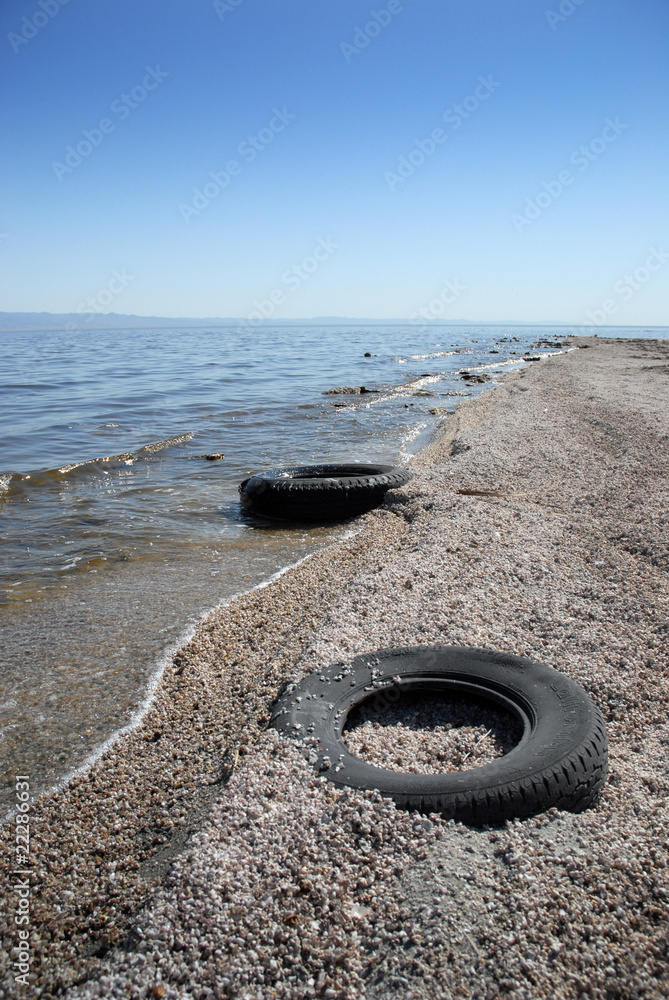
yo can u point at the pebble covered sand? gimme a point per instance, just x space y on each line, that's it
425 734
202 857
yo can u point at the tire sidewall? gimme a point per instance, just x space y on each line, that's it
560 715
318 492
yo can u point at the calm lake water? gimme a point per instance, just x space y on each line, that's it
117 533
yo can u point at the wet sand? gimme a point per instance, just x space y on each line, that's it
202 857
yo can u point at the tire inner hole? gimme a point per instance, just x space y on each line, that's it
431 732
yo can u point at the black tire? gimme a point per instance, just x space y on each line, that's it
320 492
560 760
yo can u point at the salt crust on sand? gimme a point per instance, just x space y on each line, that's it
290 888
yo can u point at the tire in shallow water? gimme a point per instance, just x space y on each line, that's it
320 492
561 758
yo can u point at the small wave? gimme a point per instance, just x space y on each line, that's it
17 482
91 465
421 380
411 435
394 391
436 354
71 564
125 458
30 385
518 360
496 364
151 449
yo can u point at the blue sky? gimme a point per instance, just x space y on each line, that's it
487 159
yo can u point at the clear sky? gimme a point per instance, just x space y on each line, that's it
487 159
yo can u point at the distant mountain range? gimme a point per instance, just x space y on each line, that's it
17 321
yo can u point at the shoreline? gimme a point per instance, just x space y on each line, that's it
346 599
131 585
162 663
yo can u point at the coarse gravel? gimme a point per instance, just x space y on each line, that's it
428 734
203 857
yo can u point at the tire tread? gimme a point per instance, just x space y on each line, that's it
541 776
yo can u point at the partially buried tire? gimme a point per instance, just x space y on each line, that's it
320 492
560 759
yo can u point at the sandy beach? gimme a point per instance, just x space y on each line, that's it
202 857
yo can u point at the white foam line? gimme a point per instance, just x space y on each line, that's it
412 435
70 565
426 379
516 361
404 389
437 354
407 388
162 664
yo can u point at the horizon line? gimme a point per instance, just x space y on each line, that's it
83 321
